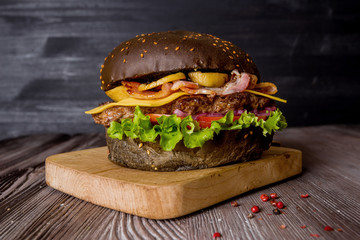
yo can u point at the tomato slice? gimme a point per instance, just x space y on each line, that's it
205 121
210 119
154 116
262 117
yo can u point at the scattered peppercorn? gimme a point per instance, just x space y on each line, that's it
250 215
234 204
264 197
276 211
283 226
304 195
328 228
255 209
273 202
280 205
273 195
216 235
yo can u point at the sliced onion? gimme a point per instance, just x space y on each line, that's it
238 112
273 108
180 113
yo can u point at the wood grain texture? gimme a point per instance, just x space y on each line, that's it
51 53
90 176
31 210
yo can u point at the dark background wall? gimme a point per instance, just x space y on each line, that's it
51 53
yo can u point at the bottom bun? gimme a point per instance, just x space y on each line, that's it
231 146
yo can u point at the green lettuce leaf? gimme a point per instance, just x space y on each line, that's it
172 129
169 131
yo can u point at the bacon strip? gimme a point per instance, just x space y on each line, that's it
253 81
181 84
266 87
132 90
206 91
238 83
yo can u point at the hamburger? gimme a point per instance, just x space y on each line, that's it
183 100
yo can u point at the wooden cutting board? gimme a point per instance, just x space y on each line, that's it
90 176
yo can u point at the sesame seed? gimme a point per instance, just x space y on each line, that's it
143 40
140 145
102 66
122 50
231 57
105 59
100 77
127 43
227 48
192 49
145 51
237 65
100 70
155 43
148 152
156 169
142 34
102 82
126 48
214 44
142 55
224 49
112 55
124 60
237 55
101 88
166 48
137 35
248 60
234 52
177 48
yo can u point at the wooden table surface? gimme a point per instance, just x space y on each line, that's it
29 209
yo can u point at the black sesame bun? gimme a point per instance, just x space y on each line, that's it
150 56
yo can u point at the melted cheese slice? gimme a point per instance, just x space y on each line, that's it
117 94
132 102
266 95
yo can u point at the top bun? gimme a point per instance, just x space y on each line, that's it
148 57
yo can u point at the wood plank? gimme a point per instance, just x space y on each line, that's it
90 176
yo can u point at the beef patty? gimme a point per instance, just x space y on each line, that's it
192 105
